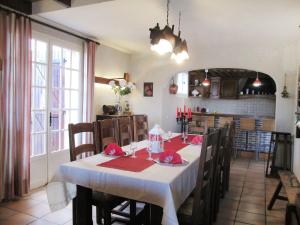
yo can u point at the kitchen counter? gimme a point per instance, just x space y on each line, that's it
232 115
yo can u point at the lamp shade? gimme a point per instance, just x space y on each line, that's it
257 82
206 82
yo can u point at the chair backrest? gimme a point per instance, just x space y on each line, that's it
211 121
107 133
81 128
247 124
140 127
204 177
223 144
267 125
231 139
125 130
225 120
199 125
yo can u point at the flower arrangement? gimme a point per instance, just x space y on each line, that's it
124 87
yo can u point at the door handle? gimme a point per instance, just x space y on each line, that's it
50 119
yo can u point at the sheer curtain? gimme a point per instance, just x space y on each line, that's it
15 103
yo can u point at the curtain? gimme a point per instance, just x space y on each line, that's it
15 103
89 79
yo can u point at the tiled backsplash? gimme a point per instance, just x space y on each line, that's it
251 106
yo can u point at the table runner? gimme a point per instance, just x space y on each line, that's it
141 163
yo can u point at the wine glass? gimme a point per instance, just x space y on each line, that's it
133 148
184 136
149 150
169 136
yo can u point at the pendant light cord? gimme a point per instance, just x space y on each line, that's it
179 21
168 3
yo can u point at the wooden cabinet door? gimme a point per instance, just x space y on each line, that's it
215 87
229 88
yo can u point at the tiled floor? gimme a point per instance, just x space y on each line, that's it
245 203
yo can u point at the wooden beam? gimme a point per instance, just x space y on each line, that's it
103 80
18 5
65 2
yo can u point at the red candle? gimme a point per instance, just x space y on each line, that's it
184 112
190 113
179 112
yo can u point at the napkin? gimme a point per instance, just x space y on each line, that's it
114 150
197 140
170 157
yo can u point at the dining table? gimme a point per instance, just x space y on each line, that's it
137 178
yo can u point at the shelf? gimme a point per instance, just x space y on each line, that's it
257 96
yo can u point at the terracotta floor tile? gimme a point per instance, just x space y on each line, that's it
275 221
21 204
42 222
252 208
59 217
226 214
17 219
37 211
253 200
229 204
222 221
251 218
5 212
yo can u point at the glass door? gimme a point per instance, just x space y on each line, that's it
56 102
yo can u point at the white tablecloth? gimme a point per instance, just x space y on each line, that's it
165 186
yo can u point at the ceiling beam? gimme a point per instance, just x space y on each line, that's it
18 5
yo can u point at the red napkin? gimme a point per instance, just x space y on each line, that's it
197 140
114 150
170 157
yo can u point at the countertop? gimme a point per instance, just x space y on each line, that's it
232 115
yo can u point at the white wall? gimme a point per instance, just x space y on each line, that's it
110 63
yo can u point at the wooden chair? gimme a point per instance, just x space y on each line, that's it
108 132
224 120
196 209
125 131
105 203
199 125
140 127
248 125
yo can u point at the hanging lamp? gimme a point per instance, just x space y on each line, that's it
180 52
257 82
163 41
206 81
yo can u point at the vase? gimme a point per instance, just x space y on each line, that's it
118 104
126 104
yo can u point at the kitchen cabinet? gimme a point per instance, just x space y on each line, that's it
215 87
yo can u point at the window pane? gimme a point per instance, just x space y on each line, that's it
55 98
54 141
41 52
33 49
56 73
74 100
66 79
74 116
38 146
38 121
56 55
40 75
66 99
75 60
75 80
66 118
38 96
64 143
66 58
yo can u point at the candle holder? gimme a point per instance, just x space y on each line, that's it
183 120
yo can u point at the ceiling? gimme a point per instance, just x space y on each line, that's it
205 23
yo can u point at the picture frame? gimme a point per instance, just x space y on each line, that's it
148 89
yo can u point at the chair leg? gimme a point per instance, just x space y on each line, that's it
74 209
107 217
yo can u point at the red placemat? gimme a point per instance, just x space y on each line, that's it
141 163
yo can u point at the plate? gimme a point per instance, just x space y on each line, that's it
184 163
116 156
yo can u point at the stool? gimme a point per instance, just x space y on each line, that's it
248 125
266 126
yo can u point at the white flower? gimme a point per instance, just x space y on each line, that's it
122 82
131 85
112 83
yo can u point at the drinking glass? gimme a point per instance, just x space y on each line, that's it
133 148
184 136
169 136
149 151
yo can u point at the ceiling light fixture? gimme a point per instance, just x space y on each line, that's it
180 52
257 82
206 81
163 41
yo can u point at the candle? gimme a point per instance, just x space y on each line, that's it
184 112
177 112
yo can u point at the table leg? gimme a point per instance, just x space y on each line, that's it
156 214
84 206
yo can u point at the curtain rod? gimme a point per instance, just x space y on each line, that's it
45 24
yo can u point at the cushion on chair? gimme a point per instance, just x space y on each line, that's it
106 200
